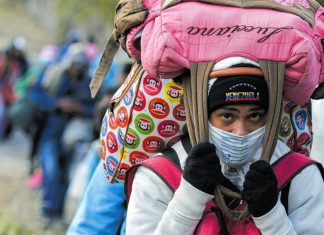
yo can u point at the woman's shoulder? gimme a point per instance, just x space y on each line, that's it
147 183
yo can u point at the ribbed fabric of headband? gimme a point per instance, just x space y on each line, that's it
238 90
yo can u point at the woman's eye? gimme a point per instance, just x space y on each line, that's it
256 116
226 116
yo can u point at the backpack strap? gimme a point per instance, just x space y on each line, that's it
171 173
296 162
195 102
128 14
104 65
285 175
161 165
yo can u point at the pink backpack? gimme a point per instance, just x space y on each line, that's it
170 173
175 33
172 37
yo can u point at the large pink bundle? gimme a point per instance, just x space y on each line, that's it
196 32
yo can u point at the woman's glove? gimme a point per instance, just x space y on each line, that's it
260 189
202 169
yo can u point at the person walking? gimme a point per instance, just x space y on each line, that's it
237 109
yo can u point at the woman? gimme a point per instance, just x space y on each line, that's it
237 109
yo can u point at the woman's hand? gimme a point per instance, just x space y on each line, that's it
260 189
202 169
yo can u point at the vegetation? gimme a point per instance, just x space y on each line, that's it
7 227
57 17
95 15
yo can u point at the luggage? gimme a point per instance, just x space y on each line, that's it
145 116
172 36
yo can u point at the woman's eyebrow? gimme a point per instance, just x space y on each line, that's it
230 109
257 109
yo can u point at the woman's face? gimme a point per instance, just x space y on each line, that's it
238 119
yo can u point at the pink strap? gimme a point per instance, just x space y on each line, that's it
162 166
297 163
171 174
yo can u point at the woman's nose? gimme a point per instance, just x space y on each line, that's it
240 129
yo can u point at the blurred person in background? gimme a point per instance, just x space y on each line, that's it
70 109
91 48
46 57
86 162
102 209
27 112
112 79
13 65
54 72
73 36
16 52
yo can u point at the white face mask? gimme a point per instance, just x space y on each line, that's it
233 150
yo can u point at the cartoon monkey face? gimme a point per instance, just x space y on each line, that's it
152 82
122 173
285 127
111 145
111 165
122 116
168 127
144 125
121 135
135 161
174 93
159 107
181 113
300 119
153 143
129 140
138 103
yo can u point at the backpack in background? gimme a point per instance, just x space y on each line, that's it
296 127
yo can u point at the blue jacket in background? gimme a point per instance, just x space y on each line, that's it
102 209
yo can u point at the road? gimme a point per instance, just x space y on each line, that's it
20 205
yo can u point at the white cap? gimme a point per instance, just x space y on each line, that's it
19 42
